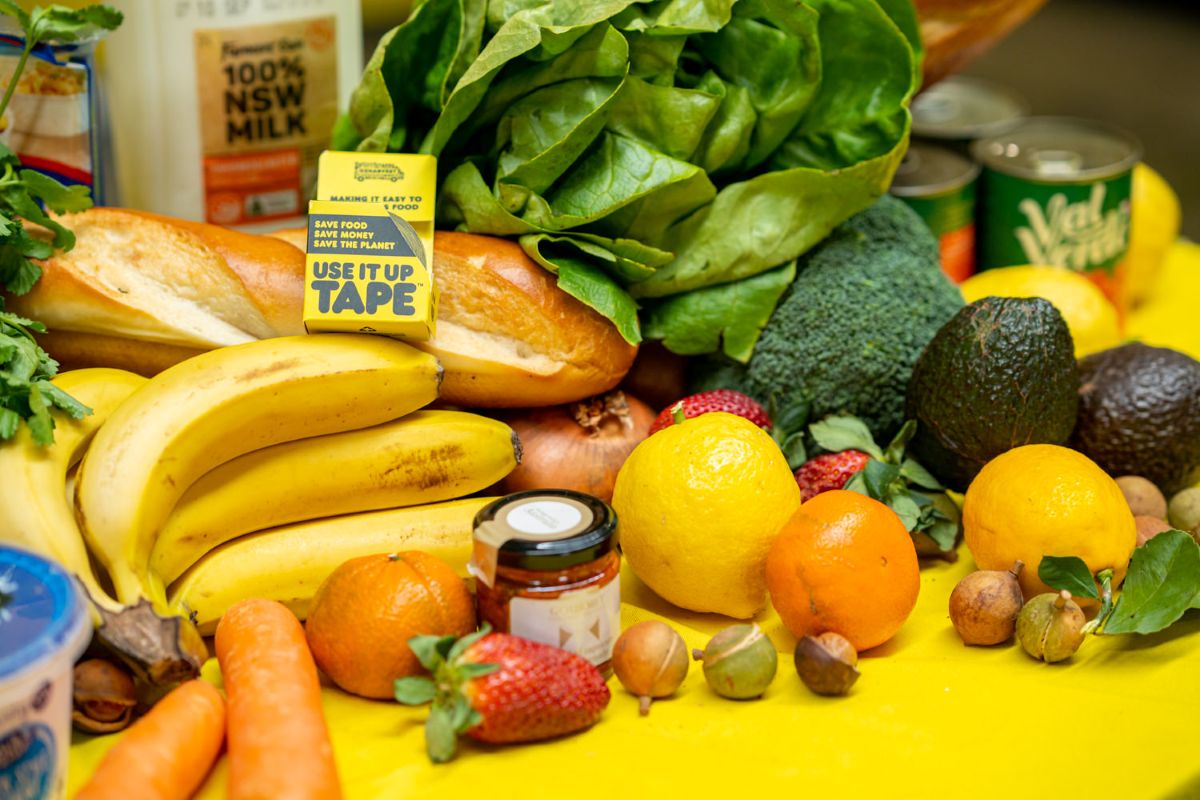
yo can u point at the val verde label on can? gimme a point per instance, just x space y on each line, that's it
939 184
1056 191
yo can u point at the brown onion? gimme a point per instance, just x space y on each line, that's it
579 446
657 376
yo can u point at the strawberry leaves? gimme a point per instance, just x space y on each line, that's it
890 477
451 713
836 434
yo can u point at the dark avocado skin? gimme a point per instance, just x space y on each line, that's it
1139 414
1000 374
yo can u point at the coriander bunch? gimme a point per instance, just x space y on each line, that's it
27 196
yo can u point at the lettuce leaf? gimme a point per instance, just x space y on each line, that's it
728 317
651 149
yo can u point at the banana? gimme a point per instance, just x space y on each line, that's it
35 511
289 563
424 457
219 405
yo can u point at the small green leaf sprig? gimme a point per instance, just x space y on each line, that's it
1162 583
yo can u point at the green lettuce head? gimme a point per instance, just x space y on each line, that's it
641 150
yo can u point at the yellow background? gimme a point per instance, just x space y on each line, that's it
929 718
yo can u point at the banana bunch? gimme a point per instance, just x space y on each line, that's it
252 470
37 513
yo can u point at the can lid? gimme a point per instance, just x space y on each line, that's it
928 169
542 529
962 108
41 610
1060 150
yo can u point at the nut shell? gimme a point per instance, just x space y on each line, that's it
822 664
984 606
739 662
650 660
1050 627
1144 498
104 697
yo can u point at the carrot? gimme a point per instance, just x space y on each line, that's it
278 743
165 754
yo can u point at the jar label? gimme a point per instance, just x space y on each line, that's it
585 622
268 99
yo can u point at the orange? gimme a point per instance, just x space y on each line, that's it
368 608
844 563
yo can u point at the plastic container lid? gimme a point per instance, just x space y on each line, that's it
41 612
1060 150
962 108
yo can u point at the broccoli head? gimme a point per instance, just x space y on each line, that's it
845 335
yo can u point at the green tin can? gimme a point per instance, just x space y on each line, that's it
1055 191
939 184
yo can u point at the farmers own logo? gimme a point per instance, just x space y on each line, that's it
1081 235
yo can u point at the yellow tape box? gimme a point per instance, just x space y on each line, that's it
370 246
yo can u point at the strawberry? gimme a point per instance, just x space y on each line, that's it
726 400
829 471
499 688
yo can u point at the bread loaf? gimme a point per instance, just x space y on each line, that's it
143 292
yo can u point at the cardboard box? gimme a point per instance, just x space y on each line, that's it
370 246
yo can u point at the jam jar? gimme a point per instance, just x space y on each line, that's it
546 567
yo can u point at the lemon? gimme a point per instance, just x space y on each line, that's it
700 505
1167 318
1045 500
1089 315
1153 227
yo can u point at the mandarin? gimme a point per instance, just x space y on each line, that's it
844 563
368 608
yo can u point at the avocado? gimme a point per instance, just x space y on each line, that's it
1000 374
1139 413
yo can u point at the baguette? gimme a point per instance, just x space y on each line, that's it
142 292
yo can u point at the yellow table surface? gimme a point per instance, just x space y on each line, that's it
928 718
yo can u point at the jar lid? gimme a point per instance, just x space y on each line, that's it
542 530
41 612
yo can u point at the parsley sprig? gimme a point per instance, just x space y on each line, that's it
26 196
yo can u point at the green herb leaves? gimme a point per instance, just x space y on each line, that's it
25 389
61 24
724 138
